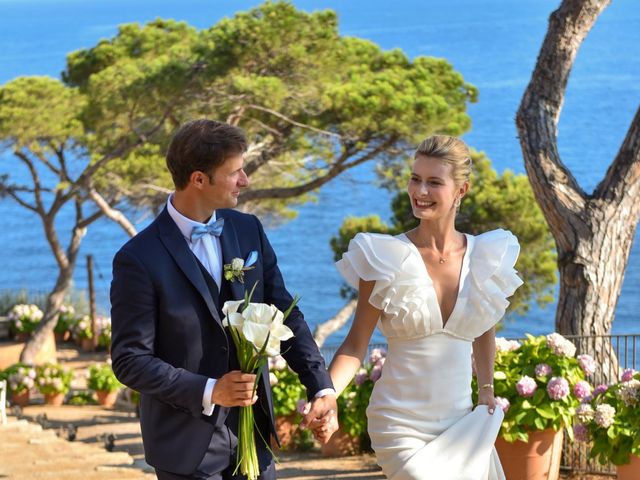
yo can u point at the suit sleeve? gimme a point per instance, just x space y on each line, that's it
134 319
301 351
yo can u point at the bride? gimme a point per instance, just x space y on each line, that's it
436 295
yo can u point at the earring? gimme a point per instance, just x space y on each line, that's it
457 202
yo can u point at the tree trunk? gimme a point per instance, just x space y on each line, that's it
593 233
322 331
48 322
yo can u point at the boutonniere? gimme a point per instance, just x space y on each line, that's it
235 270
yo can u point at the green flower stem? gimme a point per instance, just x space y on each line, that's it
247 456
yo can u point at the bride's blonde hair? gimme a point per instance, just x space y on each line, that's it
450 150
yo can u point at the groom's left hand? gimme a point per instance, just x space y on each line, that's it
321 414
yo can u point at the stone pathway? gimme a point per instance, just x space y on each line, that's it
27 451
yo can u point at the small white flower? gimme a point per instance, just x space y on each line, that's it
237 264
273 380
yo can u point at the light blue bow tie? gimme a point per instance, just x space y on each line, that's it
214 228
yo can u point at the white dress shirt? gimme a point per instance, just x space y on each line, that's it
209 251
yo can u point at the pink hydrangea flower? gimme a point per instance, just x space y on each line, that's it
627 374
582 390
605 415
587 363
376 373
526 386
600 389
503 403
504 345
581 432
360 377
558 388
542 370
560 345
584 412
630 392
376 354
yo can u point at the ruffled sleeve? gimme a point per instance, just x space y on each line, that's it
373 257
493 280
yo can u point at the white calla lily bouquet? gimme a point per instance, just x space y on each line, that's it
257 330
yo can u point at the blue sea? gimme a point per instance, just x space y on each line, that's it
493 43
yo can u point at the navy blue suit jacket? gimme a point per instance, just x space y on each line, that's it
168 338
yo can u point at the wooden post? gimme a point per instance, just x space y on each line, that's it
92 302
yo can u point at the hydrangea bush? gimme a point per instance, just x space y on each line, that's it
53 378
24 318
610 420
20 378
538 383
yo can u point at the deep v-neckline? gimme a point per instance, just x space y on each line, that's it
462 276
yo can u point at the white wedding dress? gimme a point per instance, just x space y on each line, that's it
421 421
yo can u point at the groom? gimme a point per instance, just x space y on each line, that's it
168 289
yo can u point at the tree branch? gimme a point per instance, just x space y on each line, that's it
555 188
293 122
20 201
334 171
112 213
37 188
622 179
324 330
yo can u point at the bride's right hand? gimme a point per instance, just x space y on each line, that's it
324 431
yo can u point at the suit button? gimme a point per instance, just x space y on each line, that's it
225 349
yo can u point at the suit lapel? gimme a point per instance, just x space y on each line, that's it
177 247
230 250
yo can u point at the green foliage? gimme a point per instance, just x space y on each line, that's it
493 201
616 442
53 378
81 398
312 102
102 378
66 319
286 391
539 411
82 328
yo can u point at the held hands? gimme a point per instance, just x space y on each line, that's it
234 389
321 417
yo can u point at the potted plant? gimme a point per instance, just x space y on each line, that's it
539 383
611 422
66 318
23 320
104 335
20 380
103 381
286 390
54 382
83 334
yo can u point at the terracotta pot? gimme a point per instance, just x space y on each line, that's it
22 337
286 427
630 471
341 444
54 399
539 459
86 344
21 399
106 398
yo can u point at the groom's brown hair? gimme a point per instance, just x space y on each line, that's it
202 145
